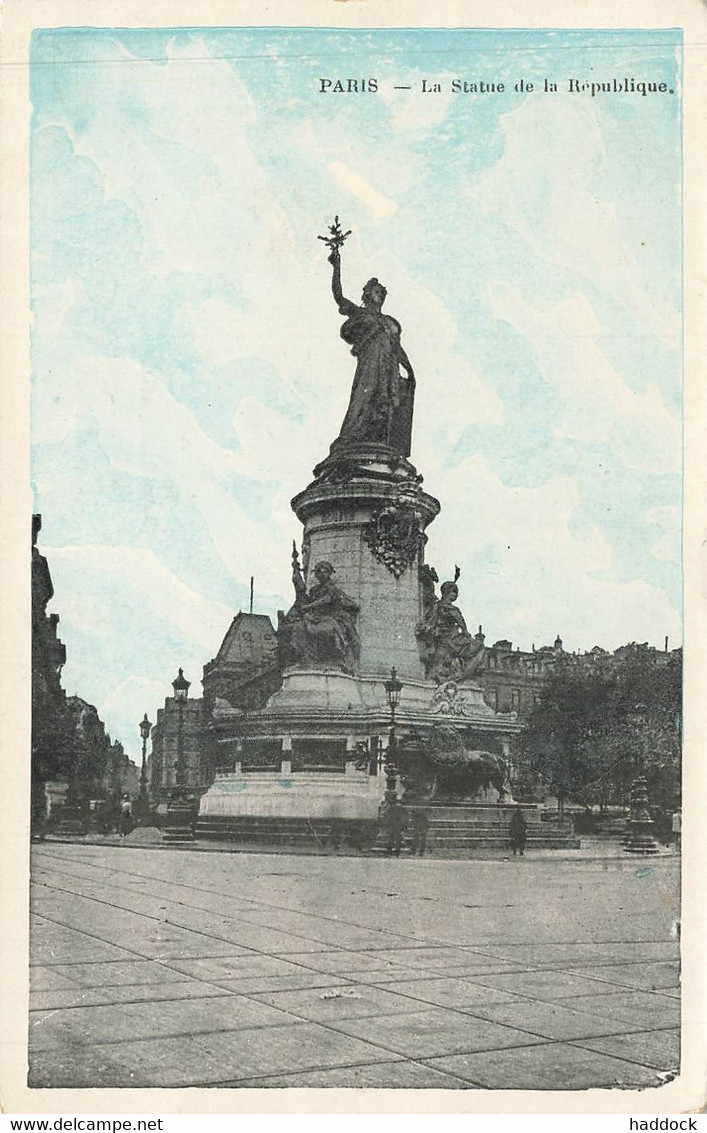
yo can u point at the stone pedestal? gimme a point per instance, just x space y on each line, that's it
640 824
367 515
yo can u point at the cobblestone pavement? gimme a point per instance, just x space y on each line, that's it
179 968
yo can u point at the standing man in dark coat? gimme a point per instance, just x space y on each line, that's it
420 824
394 823
518 832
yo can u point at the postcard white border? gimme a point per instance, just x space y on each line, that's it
687 1093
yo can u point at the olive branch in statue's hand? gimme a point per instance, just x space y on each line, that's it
335 240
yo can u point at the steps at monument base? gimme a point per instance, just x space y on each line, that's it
497 829
472 836
445 837
283 831
67 828
543 837
470 845
178 824
481 840
455 829
174 834
541 842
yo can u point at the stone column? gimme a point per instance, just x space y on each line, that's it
370 527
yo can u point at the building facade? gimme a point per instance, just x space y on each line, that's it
50 738
179 762
513 679
74 760
246 669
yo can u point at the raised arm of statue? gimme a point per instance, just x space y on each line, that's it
334 241
344 304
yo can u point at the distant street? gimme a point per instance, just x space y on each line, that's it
187 968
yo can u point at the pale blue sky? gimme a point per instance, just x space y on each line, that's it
187 368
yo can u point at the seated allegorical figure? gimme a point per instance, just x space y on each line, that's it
320 628
449 652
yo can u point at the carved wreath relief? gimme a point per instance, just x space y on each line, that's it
395 533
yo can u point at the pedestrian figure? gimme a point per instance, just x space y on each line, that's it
420 824
126 816
395 821
677 830
518 832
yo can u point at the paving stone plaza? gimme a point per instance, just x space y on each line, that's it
191 968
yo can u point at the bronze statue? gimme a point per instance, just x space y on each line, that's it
449 652
320 628
381 402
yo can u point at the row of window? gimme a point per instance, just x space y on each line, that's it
515 661
497 703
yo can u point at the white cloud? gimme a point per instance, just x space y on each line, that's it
138 572
352 182
563 211
669 519
598 405
537 572
118 709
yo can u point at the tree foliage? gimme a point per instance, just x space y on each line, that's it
599 722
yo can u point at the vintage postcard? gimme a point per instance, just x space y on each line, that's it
355 417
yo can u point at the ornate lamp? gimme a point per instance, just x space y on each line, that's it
181 686
181 693
393 689
145 729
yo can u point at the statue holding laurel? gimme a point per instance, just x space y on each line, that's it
383 391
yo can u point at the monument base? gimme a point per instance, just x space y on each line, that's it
313 795
464 827
305 809
331 690
315 757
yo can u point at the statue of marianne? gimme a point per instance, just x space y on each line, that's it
381 403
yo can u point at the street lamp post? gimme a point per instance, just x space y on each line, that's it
393 689
181 692
145 729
